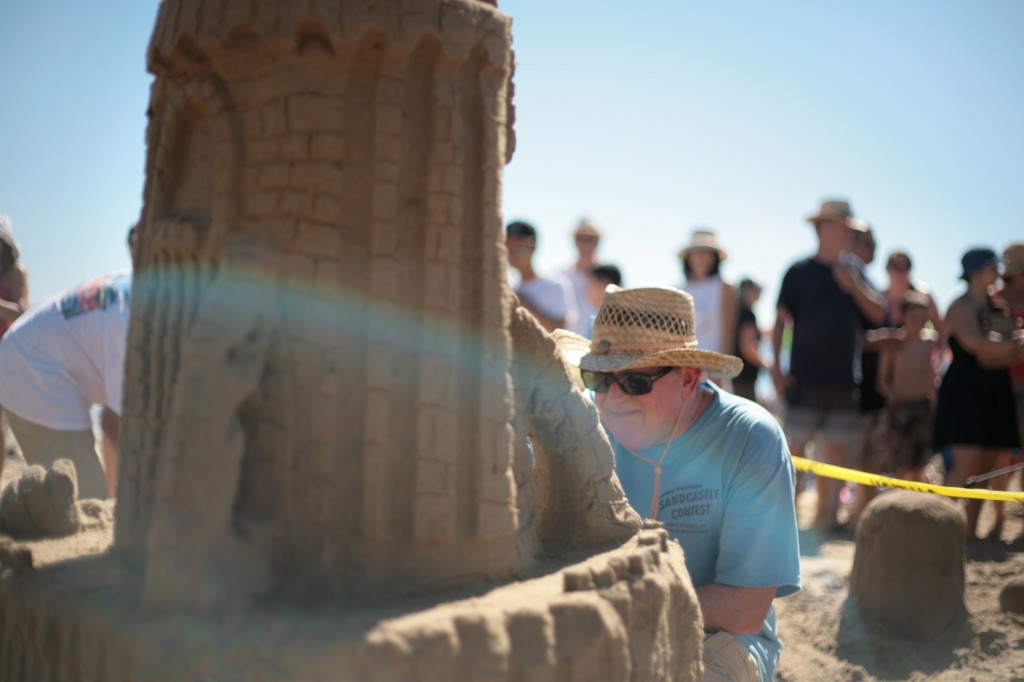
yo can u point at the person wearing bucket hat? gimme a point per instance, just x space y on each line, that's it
712 467
713 297
13 298
823 302
975 416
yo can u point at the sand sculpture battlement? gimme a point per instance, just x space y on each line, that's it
331 395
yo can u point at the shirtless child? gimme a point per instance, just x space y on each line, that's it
907 380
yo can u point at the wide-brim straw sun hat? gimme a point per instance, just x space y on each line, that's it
703 240
7 235
644 327
587 226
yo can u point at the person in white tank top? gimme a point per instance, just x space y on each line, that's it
714 299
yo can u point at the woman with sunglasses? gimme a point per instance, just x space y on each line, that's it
898 269
712 467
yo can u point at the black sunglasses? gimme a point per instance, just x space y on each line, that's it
631 383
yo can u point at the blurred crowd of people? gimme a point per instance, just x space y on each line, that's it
877 378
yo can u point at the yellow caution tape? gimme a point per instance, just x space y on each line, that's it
878 481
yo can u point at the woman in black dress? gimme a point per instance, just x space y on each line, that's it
747 343
975 412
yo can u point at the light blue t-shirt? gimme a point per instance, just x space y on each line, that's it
727 496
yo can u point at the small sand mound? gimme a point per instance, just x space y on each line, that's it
908 571
41 503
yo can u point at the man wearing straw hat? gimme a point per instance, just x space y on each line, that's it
712 467
824 302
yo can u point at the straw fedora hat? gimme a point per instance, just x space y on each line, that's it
838 210
703 239
7 235
644 327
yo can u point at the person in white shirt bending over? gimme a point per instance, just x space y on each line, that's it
58 360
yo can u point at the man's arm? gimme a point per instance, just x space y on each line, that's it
782 320
868 301
737 610
110 425
748 346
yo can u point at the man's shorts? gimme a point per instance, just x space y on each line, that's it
830 410
727 660
871 453
910 435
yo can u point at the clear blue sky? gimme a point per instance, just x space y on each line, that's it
652 118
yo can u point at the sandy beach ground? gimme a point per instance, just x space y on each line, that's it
824 639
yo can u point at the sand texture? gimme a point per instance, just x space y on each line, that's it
826 637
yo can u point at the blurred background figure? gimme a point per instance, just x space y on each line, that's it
544 298
976 413
13 299
870 450
581 310
898 268
58 360
748 341
906 378
1011 295
823 302
714 300
600 277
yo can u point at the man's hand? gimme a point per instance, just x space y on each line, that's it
846 277
782 381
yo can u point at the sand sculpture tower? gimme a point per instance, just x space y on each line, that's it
322 327
329 387
319 274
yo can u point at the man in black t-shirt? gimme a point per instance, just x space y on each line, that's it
822 301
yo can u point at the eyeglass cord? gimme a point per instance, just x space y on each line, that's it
657 464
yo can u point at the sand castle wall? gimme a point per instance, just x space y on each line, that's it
321 219
337 419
